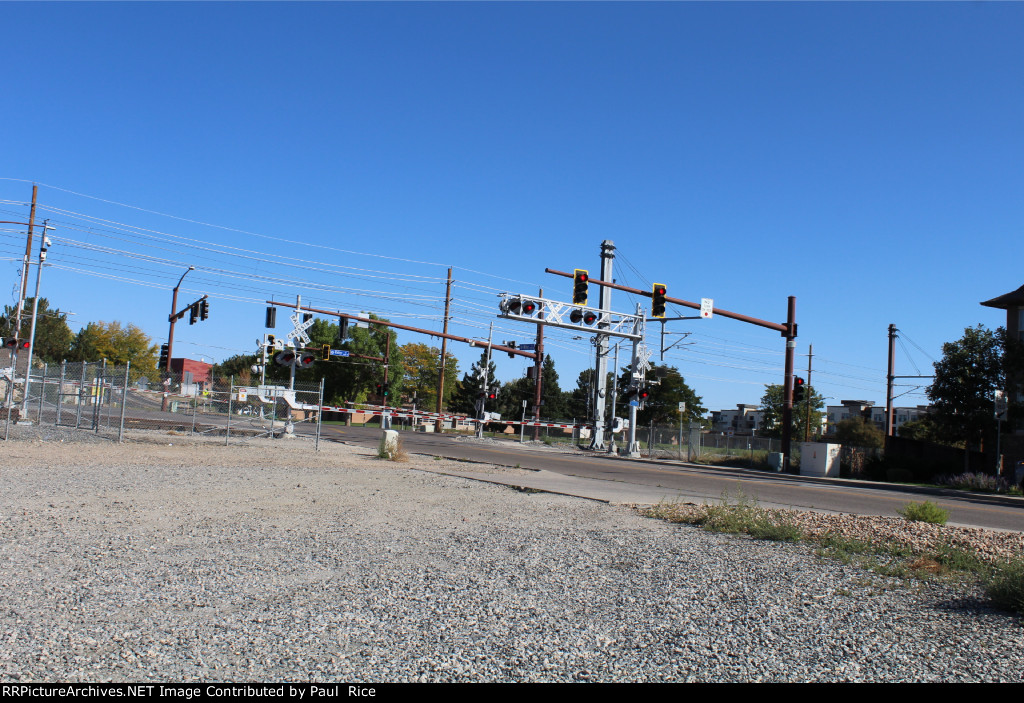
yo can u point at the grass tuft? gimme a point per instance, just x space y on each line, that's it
1006 586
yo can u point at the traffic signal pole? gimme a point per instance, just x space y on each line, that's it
172 318
788 329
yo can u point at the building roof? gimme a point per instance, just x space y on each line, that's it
1013 299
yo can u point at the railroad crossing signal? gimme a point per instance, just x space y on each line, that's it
658 300
580 283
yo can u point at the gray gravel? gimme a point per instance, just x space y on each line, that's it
267 561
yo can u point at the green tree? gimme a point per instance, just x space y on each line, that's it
859 432
552 399
421 366
662 405
922 430
773 403
966 378
352 378
118 345
53 336
464 400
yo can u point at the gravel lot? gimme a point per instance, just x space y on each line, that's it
172 559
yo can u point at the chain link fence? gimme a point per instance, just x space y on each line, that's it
109 399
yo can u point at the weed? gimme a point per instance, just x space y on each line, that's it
392 451
1006 587
924 512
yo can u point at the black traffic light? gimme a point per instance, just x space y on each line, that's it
658 300
580 282
382 390
193 313
204 309
511 345
307 316
342 328
326 353
165 359
271 340
799 390
271 318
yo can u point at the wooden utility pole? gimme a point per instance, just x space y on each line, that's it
25 263
444 350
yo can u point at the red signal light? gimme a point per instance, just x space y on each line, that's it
589 317
529 307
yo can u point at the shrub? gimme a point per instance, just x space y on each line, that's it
1006 588
924 512
974 482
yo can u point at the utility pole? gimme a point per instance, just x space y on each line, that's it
444 350
538 373
889 380
808 395
25 263
35 309
484 372
601 362
787 408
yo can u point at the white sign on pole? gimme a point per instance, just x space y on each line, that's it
707 306
242 394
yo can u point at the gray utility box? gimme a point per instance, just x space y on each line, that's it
819 459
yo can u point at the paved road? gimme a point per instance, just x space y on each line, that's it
690 482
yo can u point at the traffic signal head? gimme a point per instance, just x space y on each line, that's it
326 353
193 313
271 318
580 282
799 390
342 328
382 390
658 300
271 340
204 309
164 358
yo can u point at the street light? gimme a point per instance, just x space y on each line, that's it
170 333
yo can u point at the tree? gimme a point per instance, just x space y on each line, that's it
921 430
552 399
859 432
465 398
118 345
966 378
662 405
53 336
773 403
421 368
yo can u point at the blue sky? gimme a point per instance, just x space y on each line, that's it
863 157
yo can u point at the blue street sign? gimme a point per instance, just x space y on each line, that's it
339 352
634 403
528 347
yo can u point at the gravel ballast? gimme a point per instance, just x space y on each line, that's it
171 559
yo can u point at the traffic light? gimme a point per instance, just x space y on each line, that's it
305 359
271 318
511 345
326 353
342 328
798 390
307 316
204 309
580 282
271 340
382 390
193 313
165 359
658 300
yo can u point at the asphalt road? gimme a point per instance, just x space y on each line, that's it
692 482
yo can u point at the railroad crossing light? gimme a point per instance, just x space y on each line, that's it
576 316
658 300
491 395
643 394
204 309
271 318
580 281
529 307
589 317
628 392
11 343
284 358
305 359
193 313
799 390
164 357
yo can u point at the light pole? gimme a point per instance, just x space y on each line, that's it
172 318
35 310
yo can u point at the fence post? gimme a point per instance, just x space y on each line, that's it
231 391
124 402
42 394
81 392
319 414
